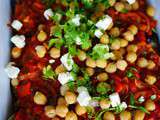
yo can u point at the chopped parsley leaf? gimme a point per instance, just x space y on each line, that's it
48 73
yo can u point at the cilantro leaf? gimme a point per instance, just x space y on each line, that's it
139 108
132 100
55 42
99 51
48 73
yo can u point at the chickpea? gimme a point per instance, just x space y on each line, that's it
133 29
128 36
104 39
150 79
139 115
41 51
91 63
60 69
115 44
39 98
90 71
71 116
80 110
64 89
111 68
40 27
119 6
125 115
54 53
101 63
14 82
142 62
16 52
108 116
61 110
115 32
81 55
42 36
104 104
102 77
117 55
70 97
135 5
50 111
123 43
112 2
122 51
121 64
128 6
150 11
101 7
132 48
131 57
151 65
61 101
150 105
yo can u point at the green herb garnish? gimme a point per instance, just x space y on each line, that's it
48 73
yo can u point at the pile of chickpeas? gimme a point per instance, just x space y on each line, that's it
124 53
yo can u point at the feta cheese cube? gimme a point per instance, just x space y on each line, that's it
48 13
104 23
64 78
76 20
18 41
17 25
67 61
115 99
12 71
83 98
98 33
131 1
51 61
81 89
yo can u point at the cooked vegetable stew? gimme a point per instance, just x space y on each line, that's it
84 60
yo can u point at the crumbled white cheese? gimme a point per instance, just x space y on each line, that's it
115 99
67 61
104 23
94 103
63 89
48 13
84 98
131 1
98 33
76 20
78 41
123 105
12 71
141 99
18 41
153 97
17 25
82 88
64 78
51 61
